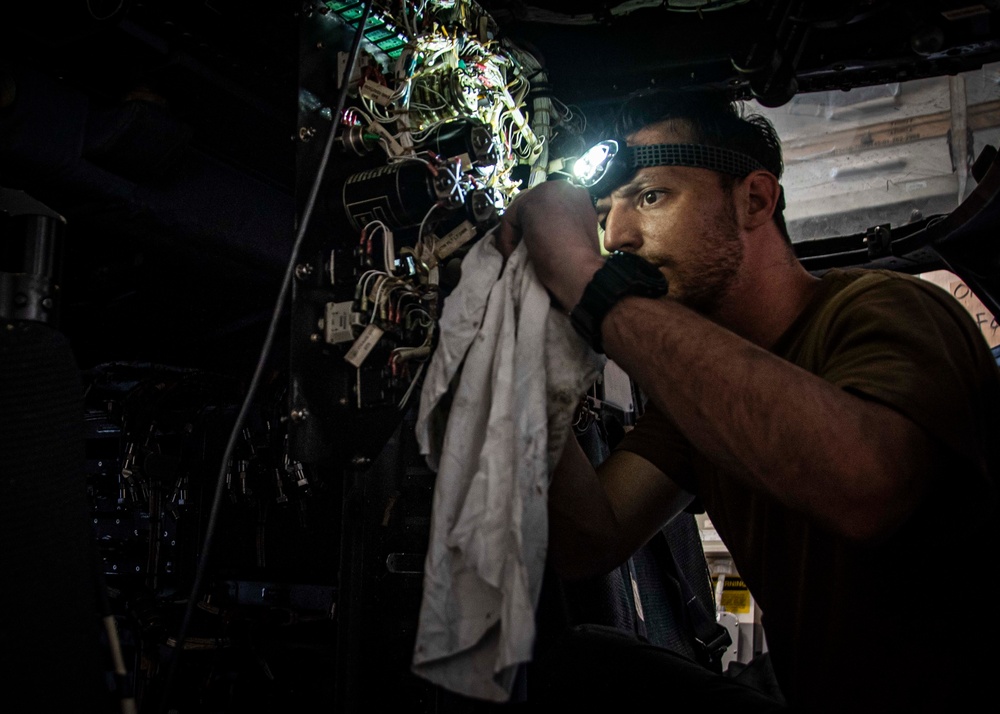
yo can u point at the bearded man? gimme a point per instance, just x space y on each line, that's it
834 427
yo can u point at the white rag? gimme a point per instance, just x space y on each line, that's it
495 412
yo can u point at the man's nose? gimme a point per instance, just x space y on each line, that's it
621 232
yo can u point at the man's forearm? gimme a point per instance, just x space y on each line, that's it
598 519
582 523
851 464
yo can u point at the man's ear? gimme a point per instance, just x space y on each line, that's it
762 195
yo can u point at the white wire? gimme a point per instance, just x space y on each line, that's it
413 384
410 30
422 134
377 223
421 311
420 233
377 113
363 115
388 251
408 157
377 298
363 283
388 244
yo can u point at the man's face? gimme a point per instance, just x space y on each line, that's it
681 220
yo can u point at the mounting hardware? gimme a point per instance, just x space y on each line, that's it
303 271
879 241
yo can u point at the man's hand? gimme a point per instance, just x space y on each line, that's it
556 220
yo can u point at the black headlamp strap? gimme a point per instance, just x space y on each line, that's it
700 156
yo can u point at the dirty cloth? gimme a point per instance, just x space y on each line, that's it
495 412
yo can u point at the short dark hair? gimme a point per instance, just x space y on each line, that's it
712 118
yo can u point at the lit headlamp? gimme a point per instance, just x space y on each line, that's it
608 164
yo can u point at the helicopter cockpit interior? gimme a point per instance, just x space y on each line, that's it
236 226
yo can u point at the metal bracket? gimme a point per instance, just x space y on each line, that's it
879 241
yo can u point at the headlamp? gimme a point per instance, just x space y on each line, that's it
607 164
592 168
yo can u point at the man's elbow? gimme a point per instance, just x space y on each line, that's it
883 479
864 527
576 569
884 507
582 556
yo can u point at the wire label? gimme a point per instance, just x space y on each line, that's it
363 346
454 239
378 93
338 323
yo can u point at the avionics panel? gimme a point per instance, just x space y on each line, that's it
439 131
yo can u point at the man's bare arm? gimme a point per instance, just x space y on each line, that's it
598 519
852 464
855 465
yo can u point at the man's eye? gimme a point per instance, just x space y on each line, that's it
602 218
649 197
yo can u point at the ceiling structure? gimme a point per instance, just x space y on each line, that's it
230 72
165 132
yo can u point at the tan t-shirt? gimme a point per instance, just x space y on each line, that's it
848 625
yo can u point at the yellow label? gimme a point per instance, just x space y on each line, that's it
735 596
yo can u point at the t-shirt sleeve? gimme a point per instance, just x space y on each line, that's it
913 348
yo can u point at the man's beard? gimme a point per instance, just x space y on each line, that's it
707 279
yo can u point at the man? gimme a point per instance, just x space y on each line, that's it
835 429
